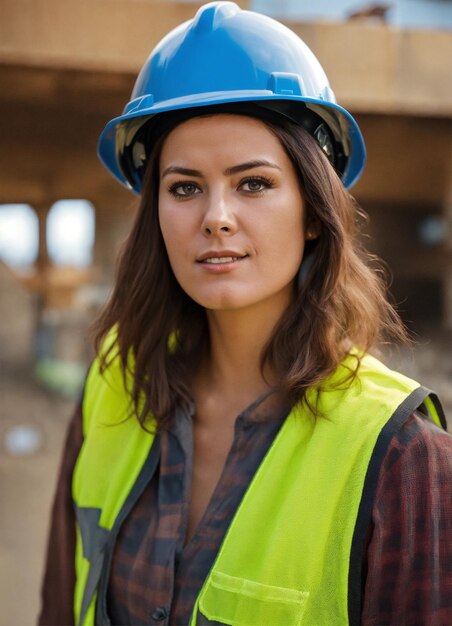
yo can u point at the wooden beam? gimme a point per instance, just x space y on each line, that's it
375 68
87 34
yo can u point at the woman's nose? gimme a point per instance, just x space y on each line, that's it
219 218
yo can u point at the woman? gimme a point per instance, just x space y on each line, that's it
242 460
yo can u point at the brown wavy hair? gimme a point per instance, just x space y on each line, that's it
341 303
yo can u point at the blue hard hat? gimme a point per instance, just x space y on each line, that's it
225 55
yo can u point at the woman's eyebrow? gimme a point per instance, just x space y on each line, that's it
176 169
249 165
234 169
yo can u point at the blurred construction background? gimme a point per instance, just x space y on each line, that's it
66 68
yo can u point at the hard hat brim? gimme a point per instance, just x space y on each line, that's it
345 128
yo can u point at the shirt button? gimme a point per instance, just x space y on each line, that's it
159 614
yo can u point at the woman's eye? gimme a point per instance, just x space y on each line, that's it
255 185
183 190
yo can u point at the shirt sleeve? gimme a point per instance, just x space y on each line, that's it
57 591
409 554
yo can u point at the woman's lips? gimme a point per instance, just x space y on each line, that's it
219 256
221 263
221 259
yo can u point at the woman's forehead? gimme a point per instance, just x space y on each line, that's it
212 121
221 134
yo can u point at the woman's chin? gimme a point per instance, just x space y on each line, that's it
232 298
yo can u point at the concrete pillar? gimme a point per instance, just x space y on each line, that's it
42 339
42 262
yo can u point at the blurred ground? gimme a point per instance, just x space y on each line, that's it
27 481
26 488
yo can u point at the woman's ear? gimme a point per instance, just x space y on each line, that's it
312 230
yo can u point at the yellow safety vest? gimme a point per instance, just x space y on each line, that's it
292 555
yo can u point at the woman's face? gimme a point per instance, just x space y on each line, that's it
231 212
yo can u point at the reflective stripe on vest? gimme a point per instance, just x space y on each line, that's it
285 559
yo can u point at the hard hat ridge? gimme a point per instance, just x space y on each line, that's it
209 18
227 55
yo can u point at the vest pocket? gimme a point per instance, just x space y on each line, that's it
237 601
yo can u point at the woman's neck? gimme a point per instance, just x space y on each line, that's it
232 367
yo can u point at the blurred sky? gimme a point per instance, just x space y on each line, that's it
70 234
402 13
